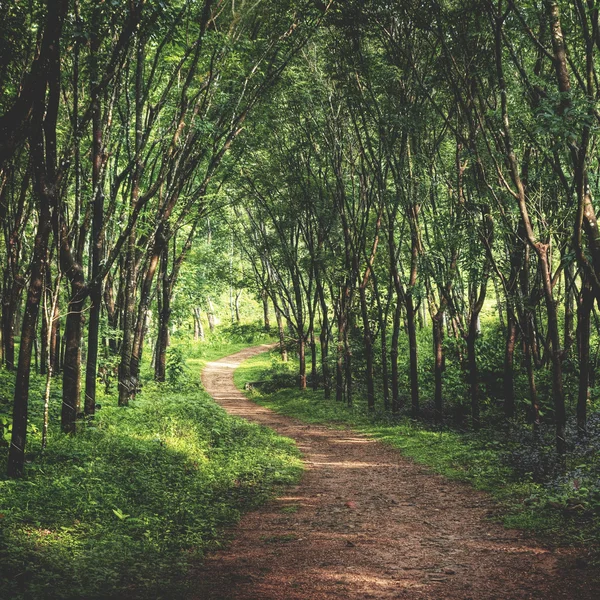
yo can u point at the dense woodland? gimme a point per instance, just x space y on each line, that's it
403 191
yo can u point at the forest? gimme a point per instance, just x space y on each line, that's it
394 199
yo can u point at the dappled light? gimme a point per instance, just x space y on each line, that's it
366 523
342 251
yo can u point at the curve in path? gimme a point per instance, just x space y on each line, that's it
365 522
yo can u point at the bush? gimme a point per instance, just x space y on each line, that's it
121 509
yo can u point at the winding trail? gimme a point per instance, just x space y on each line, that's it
365 522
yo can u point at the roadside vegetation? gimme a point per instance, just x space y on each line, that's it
128 504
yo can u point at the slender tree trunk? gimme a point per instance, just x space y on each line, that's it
238 296
384 365
49 313
339 363
473 376
348 360
368 341
509 353
43 337
281 331
265 303
586 305
211 317
569 308
198 328
396 404
142 312
126 383
560 414
97 235
112 314
71 392
324 339
164 316
313 361
8 333
16 452
302 356
413 355
55 340
438 367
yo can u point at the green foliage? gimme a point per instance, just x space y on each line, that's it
121 509
176 367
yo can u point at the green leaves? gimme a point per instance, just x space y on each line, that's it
120 514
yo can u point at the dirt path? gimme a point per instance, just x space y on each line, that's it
367 523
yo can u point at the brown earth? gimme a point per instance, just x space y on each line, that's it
365 522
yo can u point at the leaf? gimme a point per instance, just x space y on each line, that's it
120 514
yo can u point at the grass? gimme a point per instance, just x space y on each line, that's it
124 507
474 458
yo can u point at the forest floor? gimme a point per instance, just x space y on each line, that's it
366 522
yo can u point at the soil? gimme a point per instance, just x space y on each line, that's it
365 522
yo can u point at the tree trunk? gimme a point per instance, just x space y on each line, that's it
473 376
569 309
55 341
560 415
302 357
324 339
16 453
368 341
348 361
238 296
584 311
44 337
97 236
142 311
265 303
281 331
125 382
112 314
509 353
211 317
396 404
438 366
313 361
339 363
164 316
198 328
71 392
384 365
413 355
8 332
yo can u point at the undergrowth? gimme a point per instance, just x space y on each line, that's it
121 509
565 508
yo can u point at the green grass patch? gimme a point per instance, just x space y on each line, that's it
122 508
476 458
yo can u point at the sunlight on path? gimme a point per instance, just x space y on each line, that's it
367 523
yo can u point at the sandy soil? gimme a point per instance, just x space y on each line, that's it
365 522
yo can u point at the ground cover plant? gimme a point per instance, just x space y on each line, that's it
125 506
518 468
